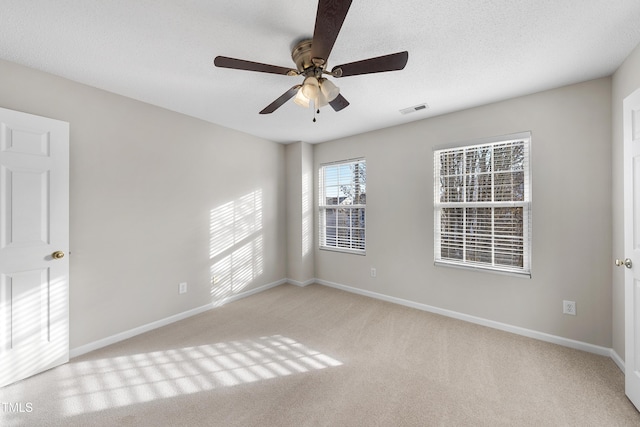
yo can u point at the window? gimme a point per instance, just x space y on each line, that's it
482 205
343 199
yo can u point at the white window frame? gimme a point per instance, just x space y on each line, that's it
353 243
459 240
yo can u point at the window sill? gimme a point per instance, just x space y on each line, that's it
342 250
521 274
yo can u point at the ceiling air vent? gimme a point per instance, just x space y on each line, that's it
414 108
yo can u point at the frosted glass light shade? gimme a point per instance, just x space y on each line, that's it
320 100
301 100
329 90
310 87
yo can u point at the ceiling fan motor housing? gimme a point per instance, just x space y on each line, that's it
307 66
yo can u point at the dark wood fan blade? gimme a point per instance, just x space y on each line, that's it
339 103
281 100
393 62
241 64
329 19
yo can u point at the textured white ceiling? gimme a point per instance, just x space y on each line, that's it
461 54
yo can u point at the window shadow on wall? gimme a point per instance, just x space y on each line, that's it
236 248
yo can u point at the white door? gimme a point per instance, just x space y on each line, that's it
631 262
34 224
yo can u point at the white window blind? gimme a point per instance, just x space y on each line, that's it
482 205
342 205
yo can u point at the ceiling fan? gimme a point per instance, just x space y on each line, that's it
310 57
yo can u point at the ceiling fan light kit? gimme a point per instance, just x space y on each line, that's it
310 57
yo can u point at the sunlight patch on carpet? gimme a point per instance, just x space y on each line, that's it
101 384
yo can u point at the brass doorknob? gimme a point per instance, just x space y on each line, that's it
626 262
57 255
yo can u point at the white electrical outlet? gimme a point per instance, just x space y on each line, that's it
569 307
182 288
373 272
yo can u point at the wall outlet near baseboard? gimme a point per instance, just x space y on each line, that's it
569 307
182 288
374 273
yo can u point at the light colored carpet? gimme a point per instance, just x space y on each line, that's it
317 356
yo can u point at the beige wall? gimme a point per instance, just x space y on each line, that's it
624 82
571 167
154 197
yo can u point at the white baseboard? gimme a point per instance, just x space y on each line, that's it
542 336
302 284
95 345
617 360
245 294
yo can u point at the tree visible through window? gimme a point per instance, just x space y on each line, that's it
482 206
343 199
